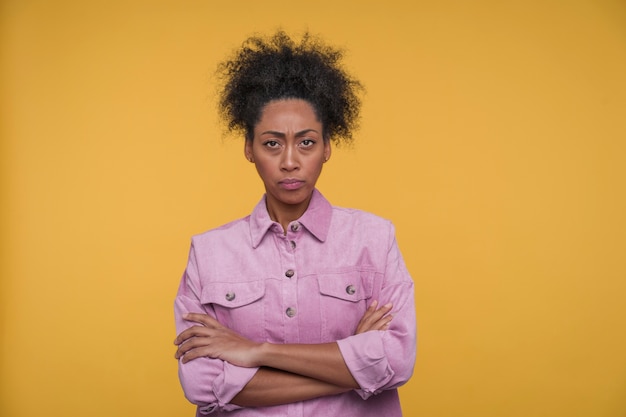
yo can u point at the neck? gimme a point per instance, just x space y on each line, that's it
285 213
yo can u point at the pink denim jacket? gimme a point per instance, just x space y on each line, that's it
310 285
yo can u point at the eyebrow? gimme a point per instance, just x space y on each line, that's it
282 135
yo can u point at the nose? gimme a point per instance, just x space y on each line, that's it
289 159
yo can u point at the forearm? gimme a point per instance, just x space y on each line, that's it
288 372
322 362
271 387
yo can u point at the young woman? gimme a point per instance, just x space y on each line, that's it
301 308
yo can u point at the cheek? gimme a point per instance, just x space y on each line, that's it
316 169
264 170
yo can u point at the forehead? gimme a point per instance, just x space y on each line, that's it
288 112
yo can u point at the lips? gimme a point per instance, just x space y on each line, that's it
291 183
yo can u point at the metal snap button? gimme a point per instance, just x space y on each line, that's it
295 226
289 273
350 289
293 244
230 296
291 312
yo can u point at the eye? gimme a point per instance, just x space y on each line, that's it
307 143
272 144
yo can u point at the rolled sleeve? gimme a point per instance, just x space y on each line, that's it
381 360
365 357
384 359
209 383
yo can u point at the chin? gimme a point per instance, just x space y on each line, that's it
293 197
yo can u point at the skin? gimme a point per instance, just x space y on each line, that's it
289 372
288 147
288 150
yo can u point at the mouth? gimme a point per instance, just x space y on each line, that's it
291 183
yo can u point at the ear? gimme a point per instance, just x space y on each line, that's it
327 150
247 150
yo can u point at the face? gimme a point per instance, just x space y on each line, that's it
289 151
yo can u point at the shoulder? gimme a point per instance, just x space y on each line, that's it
360 222
231 231
360 216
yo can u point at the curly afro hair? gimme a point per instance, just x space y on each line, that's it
275 68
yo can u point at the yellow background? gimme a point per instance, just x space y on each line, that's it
493 135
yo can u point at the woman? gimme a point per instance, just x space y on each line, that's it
301 308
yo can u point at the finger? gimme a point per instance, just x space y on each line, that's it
194 344
204 319
194 331
381 324
199 352
370 310
200 347
191 344
384 322
373 316
381 312
373 306
387 307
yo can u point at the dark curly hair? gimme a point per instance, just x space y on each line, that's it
274 68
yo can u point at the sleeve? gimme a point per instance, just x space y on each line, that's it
381 360
209 383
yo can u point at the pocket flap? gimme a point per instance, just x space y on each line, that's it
232 294
345 286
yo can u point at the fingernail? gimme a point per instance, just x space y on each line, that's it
374 303
388 305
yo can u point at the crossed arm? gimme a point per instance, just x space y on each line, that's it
288 372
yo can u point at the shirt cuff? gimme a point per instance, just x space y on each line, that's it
365 357
226 386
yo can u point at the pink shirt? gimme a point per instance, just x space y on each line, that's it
311 285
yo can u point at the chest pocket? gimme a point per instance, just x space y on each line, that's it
237 305
343 302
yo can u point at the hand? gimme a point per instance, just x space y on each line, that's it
211 339
375 319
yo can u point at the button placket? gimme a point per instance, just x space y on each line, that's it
288 305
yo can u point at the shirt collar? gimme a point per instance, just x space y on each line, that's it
316 219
